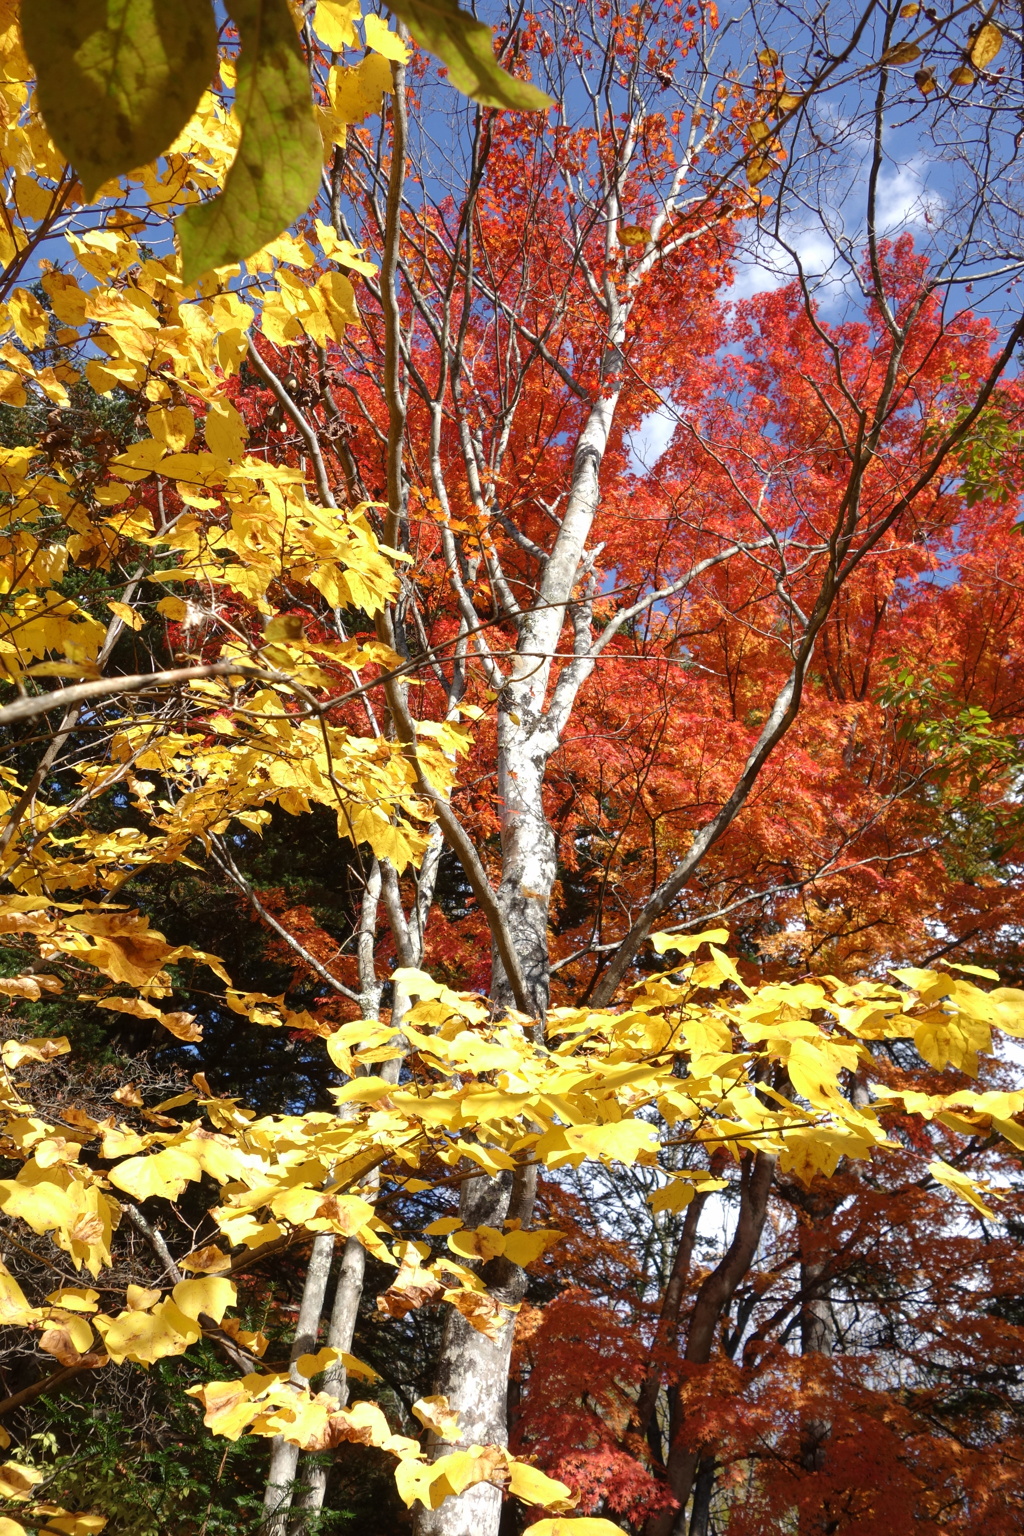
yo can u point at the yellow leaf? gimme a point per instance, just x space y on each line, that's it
67 1338
382 41
174 427
75 1298
535 1487
141 1297
477 1243
482 1311
140 460
284 627
211 1295
28 317
963 1185
64 1524
127 615
313 1365
15 1052
147 1336
673 1196
164 1174
67 299
902 53
334 23
524 1248
33 201
436 1413
344 1214
18 1479
206 1261
229 1406
984 45
226 432
182 1025
359 1368
952 1039
339 303
41 1206
589 1525
686 943
813 1074
622 1141
10 1527
356 91
1009 1007
173 608
14 1308
362 1090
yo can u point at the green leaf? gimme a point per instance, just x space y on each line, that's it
465 46
118 79
275 175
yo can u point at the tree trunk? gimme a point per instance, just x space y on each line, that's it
528 865
340 1331
712 1299
703 1488
817 1337
284 1456
473 1369
668 1322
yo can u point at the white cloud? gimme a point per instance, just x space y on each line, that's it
648 442
904 202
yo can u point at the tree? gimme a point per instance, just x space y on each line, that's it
518 329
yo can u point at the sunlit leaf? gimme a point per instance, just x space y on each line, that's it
275 175
984 45
465 45
118 79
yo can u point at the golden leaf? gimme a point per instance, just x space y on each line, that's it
127 615
208 1261
16 1052
963 1185
75 1298
229 1406
141 1297
383 41
589 1525
17 1480
758 167
435 1413
535 1487
482 1311
984 45
61 1343
524 1248
334 22
212 1295
902 53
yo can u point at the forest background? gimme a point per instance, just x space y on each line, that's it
510 801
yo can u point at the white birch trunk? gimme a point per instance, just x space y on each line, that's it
284 1456
473 1369
340 1331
